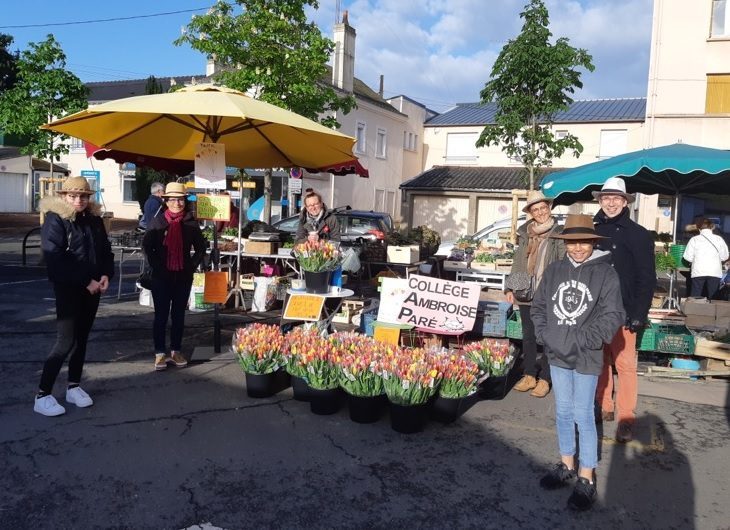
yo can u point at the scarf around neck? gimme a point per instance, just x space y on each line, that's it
173 240
538 235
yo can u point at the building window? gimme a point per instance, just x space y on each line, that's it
717 100
405 140
360 144
720 19
77 144
560 134
379 202
381 144
129 183
460 147
613 142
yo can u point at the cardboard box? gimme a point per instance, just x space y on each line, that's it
699 307
454 265
722 310
397 254
261 247
699 321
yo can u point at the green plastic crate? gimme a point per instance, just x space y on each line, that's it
646 339
514 326
674 339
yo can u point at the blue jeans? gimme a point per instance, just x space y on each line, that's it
574 396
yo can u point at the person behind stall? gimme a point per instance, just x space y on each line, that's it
80 263
576 309
632 255
536 250
167 244
706 252
316 222
232 219
153 206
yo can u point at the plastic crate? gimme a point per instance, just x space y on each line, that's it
491 320
514 326
646 339
367 318
674 339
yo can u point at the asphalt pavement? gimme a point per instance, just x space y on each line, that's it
187 447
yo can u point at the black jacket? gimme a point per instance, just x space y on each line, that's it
328 227
75 245
632 255
156 252
576 310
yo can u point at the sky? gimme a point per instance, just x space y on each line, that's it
438 52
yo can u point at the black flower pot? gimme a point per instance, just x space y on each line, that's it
260 385
324 402
446 410
408 419
317 282
300 388
366 409
266 385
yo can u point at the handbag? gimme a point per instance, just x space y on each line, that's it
523 286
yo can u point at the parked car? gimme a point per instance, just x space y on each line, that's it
354 224
491 233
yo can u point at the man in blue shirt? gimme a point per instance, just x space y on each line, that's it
153 204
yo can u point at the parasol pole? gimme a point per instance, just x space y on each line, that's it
675 222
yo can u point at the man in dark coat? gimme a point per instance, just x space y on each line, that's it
316 221
153 206
632 256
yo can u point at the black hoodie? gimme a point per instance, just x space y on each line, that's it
576 310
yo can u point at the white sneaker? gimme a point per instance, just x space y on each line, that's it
48 406
78 397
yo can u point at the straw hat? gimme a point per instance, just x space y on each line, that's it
615 186
76 185
578 226
175 189
535 196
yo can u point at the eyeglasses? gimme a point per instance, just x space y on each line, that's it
539 209
612 198
175 199
312 205
80 196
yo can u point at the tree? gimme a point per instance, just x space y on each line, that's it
153 86
271 51
531 81
8 69
44 89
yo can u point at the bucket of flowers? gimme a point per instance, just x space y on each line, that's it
258 348
314 357
317 260
495 358
295 342
411 378
457 391
358 358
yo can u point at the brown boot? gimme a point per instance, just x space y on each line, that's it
527 382
541 390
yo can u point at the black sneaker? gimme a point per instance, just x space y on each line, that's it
558 477
583 496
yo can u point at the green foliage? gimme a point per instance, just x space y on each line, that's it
484 257
664 262
44 90
531 80
8 60
268 48
208 233
153 86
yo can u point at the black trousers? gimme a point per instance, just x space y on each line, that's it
533 365
700 282
170 296
75 313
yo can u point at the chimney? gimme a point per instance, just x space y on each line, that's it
380 90
211 68
343 70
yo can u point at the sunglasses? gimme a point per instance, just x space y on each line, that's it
175 199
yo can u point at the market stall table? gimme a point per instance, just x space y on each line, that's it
400 270
126 254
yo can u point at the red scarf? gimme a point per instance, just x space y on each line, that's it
174 241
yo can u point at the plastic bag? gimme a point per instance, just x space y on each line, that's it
350 260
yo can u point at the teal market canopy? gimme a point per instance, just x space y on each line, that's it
678 169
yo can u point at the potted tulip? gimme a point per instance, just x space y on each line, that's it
317 260
295 342
258 348
458 385
495 358
410 377
358 358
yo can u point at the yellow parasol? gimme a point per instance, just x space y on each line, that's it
255 133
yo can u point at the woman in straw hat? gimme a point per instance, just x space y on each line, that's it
80 264
168 242
535 252
577 308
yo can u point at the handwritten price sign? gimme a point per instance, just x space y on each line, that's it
307 307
